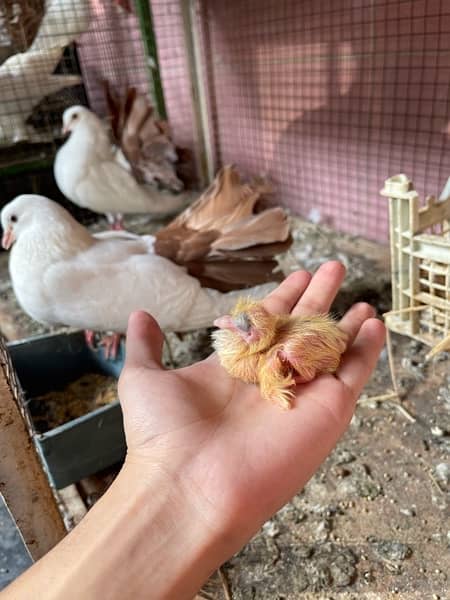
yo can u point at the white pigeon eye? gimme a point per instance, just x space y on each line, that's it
74 116
13 218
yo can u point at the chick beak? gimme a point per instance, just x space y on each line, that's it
8 238
225 322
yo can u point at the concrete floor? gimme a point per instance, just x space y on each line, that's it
374 521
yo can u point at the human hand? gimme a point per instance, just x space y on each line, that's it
241 458
208 461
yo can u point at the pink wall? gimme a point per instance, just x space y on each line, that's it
331 98
111 49
168 25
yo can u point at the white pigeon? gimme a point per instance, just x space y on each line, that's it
88 173
61 274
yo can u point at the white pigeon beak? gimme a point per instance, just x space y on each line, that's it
65 130
8 239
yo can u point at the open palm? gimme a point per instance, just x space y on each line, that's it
241 457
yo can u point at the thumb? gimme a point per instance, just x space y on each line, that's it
144 342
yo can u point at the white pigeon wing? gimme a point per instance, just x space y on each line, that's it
108 188
102 295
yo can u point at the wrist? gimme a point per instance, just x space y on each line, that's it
145 538
172 547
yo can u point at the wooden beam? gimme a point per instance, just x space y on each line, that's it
23 481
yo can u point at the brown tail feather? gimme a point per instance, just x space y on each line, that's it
227 275
222 240
226 201
145 142
262 228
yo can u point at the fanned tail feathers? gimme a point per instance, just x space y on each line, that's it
220 238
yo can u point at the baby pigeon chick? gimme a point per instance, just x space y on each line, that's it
277 351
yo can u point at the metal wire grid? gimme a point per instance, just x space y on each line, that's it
112 50
168 24
39 66
83 44
329 99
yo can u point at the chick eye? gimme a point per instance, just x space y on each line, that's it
13 218
243 322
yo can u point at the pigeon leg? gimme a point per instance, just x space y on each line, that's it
89 336
111 345
118 222
115 221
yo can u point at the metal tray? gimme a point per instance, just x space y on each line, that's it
84 445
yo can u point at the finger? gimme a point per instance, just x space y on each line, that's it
284 298
353 319
360 360
144 341
322 290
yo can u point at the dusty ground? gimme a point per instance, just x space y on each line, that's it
374 521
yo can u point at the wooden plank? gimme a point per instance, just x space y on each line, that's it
394 254
414 263
23 482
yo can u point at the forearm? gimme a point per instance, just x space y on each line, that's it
143 539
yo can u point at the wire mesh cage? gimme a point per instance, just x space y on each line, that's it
35 80
327 98
59 53
324 98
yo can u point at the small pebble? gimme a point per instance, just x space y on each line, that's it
442 471
271 529
437 431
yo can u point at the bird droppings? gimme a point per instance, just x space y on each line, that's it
293 564
390 550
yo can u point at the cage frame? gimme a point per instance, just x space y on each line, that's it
419 243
